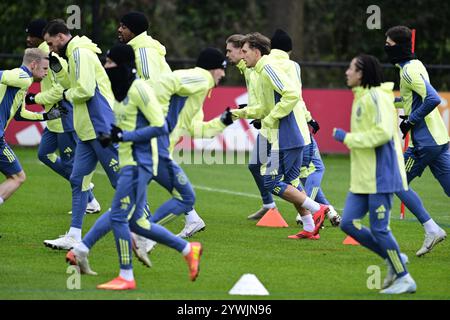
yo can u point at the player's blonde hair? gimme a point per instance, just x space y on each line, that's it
33 54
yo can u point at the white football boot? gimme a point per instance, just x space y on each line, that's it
258 214
64 242
192 228
298 219
405 284
391 276
431 240
93 207
78 258
142 247
333 216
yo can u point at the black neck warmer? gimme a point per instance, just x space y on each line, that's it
63 53
399 53
121 78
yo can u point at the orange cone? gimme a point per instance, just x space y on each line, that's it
349 240
273 219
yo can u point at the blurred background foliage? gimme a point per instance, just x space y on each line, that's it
326 34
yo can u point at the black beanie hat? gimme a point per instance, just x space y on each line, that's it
211 58
36 27
281 40
122 54
135 21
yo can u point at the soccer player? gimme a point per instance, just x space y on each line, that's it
235 56
312 169
310 175
429 137
284 125
59 133
140 121
150 54
377 169
13 87
150 65
92 99
181 95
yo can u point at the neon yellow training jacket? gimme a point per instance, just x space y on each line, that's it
52 87
376 159
150 58
181 94
280 105
90 89
420 100
13 87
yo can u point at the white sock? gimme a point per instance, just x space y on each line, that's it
431 226
81 250
308 223
192 216
311 205
269 205
1 200
75 233
186 249
127 274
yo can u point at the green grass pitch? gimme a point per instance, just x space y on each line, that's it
233 245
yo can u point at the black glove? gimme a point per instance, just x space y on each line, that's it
226 117
29 98
116 134
242 106
104 139
314 125
54 63
55 112
405 125
256 123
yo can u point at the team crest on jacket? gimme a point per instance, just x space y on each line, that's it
358 110
182 179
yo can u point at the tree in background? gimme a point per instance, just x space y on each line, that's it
322 30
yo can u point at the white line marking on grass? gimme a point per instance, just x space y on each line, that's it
235 193
255 196
205 188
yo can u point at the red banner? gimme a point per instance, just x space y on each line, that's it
331 108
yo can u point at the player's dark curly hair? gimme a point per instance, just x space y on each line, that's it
372 74
400 34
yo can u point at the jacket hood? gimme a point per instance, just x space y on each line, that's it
386 87
278 54
143 40
82 42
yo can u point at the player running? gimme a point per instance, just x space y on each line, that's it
59 134
140 121
13 87
429 136
284 126
377 169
